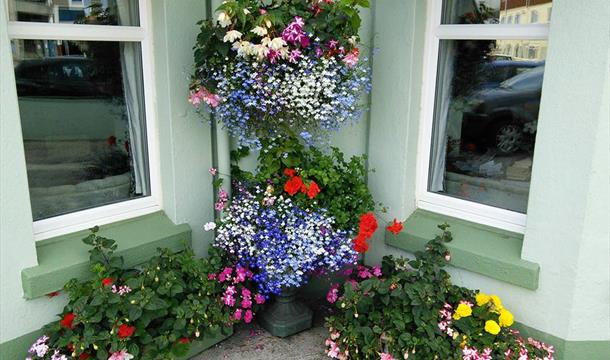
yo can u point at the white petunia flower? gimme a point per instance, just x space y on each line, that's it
259 30
232 35
224 20
209 226
277 43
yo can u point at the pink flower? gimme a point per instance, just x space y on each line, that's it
348 271
212 171
211 276
377 271
202 94
351 59
294 56
228 300
237 314
246 303
334 350
364 273
219 206
241 274
333 44
333 293
225 274
231 290
386 356
319 52
120 355
259 299
246 293
248 316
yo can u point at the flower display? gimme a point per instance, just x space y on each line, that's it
264 71
282 243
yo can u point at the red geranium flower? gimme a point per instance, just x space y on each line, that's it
184 340
368 225
126 331
53 294
293 185
84 356
290 172
107 281
67 321
395 228
313 190
111 140
360 244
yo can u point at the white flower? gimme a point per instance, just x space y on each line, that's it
277 43
209 226
259 30
246 11
224 20
232 35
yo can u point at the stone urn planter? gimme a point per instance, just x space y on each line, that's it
286 315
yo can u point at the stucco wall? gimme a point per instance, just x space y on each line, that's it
567 225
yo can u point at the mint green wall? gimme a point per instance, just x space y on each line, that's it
567 226
185 157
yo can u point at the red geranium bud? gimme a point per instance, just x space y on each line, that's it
368 224
126 331
84 356
290 172
313 190
293 185
107 281
395 228
70 347
53 294
184 340
67 321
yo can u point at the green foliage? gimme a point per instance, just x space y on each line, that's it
170 302
398 312
343 189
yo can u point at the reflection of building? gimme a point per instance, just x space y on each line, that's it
524 12
48 11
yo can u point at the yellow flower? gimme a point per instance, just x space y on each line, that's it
492 327
482 299
462 310
497 302
506 318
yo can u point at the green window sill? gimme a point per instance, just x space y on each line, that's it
478 248
65 257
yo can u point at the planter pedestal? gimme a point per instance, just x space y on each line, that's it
286 316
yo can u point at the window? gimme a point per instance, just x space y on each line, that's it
83 77
480 111
534 17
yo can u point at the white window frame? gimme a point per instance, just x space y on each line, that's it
435 32
105 214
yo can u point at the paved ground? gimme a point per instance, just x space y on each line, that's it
251 342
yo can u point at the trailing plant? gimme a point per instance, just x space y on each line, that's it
277 67
409 309
149 313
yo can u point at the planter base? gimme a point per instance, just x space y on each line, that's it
286 316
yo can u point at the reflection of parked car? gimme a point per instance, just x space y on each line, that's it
504 118
496 71
61 76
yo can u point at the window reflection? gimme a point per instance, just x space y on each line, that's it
497 11
92 12
486 116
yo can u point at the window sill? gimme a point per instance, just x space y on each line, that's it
65 257
478 248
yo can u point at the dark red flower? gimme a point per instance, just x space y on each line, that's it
126 331
107 281
111 140
84 356
360 244
313 190
184 340
395 228
290 172
53 294
368 225
293 185
67 321
70 347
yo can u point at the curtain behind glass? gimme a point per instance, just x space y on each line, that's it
131 63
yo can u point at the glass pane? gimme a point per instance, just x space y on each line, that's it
92 12
82 118
485 119
497 11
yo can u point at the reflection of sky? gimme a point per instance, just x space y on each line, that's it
492 3
87 5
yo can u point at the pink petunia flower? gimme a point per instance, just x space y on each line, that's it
248 316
